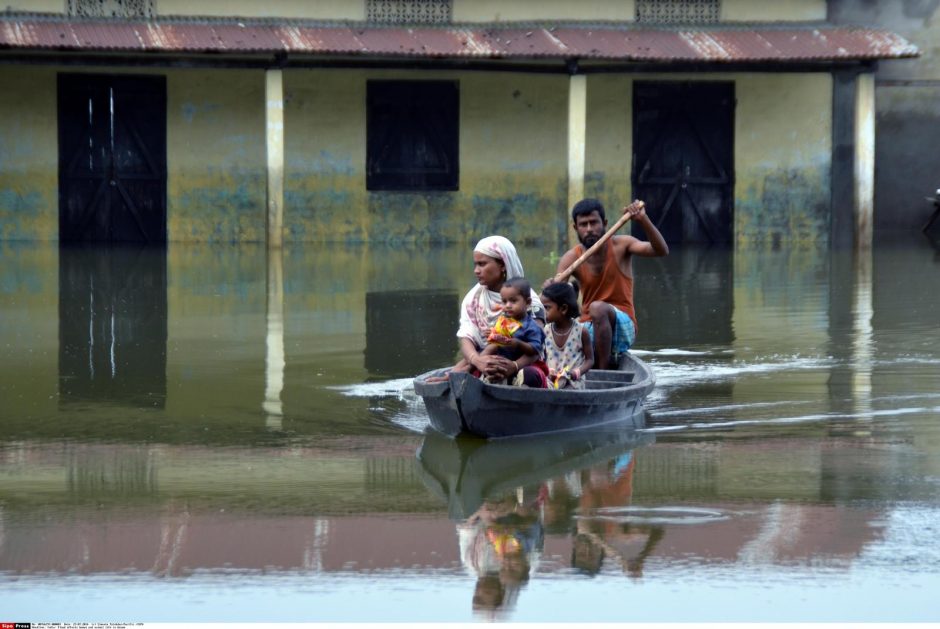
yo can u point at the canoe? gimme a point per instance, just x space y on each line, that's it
464 404
465 471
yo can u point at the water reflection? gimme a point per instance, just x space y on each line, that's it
505 495
409 331
501 543
274 342
112 326
794 417
686 300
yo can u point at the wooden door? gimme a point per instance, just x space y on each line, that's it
683 134
112 158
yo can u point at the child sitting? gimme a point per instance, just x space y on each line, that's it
568 352
517 337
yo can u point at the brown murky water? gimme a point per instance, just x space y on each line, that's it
212 434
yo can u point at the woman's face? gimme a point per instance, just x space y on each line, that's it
489 271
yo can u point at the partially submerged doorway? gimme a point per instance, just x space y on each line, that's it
112 158
683 163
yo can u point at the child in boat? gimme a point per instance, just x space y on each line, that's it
568 351
517 336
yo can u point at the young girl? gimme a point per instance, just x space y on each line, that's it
517 337
568 349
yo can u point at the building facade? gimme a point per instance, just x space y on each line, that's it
432 121
907 94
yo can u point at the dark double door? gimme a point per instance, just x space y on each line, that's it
683 166
112 158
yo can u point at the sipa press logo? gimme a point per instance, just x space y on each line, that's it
15 625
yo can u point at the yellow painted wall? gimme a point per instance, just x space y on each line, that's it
770 11
512 162
479 10
534 10
475 10
463 10
35 6
215 155
303 9
782 150
29 203
609 140
513 151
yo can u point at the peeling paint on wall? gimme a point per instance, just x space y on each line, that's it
784 206
29 204
512 163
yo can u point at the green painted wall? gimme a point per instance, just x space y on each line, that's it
216 179
512 162
29 203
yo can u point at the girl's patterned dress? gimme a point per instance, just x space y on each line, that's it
567 357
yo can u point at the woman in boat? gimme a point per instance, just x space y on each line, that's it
494 261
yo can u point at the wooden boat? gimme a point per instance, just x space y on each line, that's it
464 404
466 471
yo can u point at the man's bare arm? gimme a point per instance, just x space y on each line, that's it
656 246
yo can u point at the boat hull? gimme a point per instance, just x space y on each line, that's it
466 405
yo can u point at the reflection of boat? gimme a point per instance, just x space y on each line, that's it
465 404
466 471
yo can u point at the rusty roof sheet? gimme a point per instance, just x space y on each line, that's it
753 43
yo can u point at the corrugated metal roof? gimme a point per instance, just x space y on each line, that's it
753 43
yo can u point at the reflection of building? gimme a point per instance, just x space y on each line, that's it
112 326
310 121
172 511
409 332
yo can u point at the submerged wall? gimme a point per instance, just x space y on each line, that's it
216 179
907 100
512 154
782 150
29 201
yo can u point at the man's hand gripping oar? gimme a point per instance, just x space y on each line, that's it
628 213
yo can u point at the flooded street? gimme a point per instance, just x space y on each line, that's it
210 433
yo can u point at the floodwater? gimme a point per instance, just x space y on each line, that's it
215 434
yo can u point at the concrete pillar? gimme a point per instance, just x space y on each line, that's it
853 159
577 136
274 136
864 159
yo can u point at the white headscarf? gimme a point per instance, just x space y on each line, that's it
501 248
481 306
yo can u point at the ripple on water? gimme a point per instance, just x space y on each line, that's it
635 514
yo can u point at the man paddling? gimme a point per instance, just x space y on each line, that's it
606 277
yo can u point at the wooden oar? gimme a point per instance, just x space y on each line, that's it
564 275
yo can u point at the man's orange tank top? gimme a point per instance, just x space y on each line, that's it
610 285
